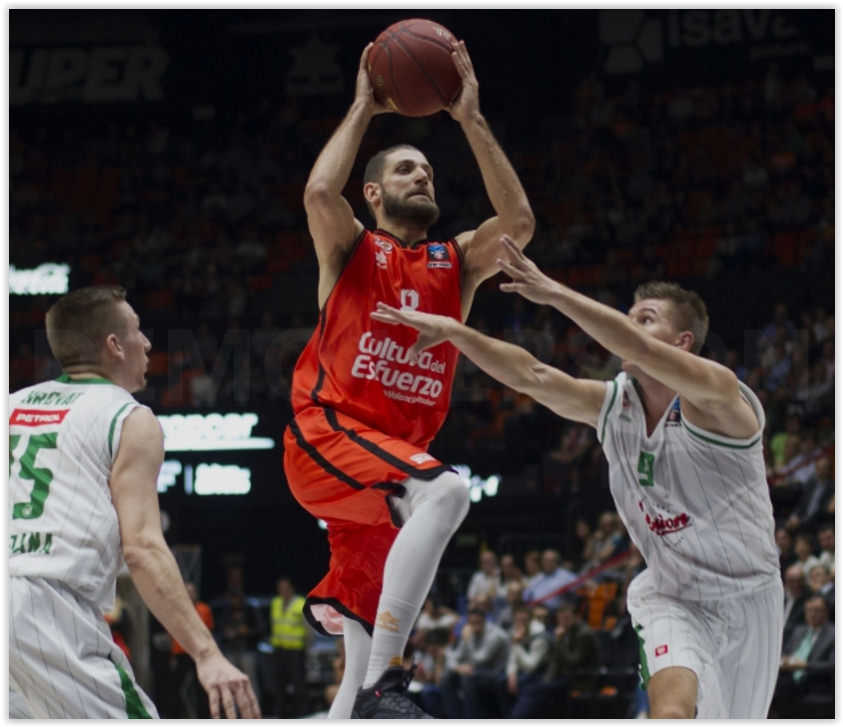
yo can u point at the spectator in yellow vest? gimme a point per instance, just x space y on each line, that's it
289 638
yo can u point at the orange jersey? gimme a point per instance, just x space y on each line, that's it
360 366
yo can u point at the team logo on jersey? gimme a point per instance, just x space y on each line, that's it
380 259
661 650
37 417
665 525
674 418
438 256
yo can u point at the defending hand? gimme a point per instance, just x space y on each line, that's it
432 328
527 279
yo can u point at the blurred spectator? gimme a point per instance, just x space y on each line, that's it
514 600
821 582
289 637
528 653
486 581
803 547
607 540
807 666
337 669
552 578
435 623
572 661
814 499
532 566
825 537
510 572
240 630
474 668
795 595
779 439
582 531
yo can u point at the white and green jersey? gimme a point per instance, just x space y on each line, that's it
63 438
696 504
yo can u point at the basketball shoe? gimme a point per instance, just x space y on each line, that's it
387 698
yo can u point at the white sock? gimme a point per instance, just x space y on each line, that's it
436 509
357 645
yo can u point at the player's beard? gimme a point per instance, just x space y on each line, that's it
417 210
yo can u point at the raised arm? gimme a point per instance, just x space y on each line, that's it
154 569
513 214
330 219
706 385
513 366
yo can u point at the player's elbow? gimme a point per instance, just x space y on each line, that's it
523 224
316 192
141 550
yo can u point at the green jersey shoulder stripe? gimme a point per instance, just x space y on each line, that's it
113 425
720 442
609 409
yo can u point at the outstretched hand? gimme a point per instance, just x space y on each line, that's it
432 328
468 102
228 688
364 91
527 279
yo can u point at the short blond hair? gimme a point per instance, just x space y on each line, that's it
78 323
690 311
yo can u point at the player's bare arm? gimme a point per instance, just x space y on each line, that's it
513 214
576 399
330 219
709 390
154 570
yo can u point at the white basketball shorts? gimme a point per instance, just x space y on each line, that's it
62 660
733 645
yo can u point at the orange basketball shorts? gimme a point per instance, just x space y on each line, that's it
343 471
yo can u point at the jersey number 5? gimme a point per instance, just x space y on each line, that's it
41 476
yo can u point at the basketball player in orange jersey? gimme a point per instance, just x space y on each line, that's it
356 451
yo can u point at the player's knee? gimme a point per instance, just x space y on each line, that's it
450 496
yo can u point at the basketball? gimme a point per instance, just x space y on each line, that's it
411 69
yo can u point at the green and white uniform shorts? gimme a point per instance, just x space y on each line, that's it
63 662
733 645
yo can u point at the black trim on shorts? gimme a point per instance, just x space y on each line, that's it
314 454
392 488
317 625
422 474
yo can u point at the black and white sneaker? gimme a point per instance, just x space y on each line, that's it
387 698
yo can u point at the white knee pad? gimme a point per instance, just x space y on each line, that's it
447 491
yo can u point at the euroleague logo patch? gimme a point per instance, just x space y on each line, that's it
438 256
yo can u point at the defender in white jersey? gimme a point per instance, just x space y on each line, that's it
84 460
683 438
